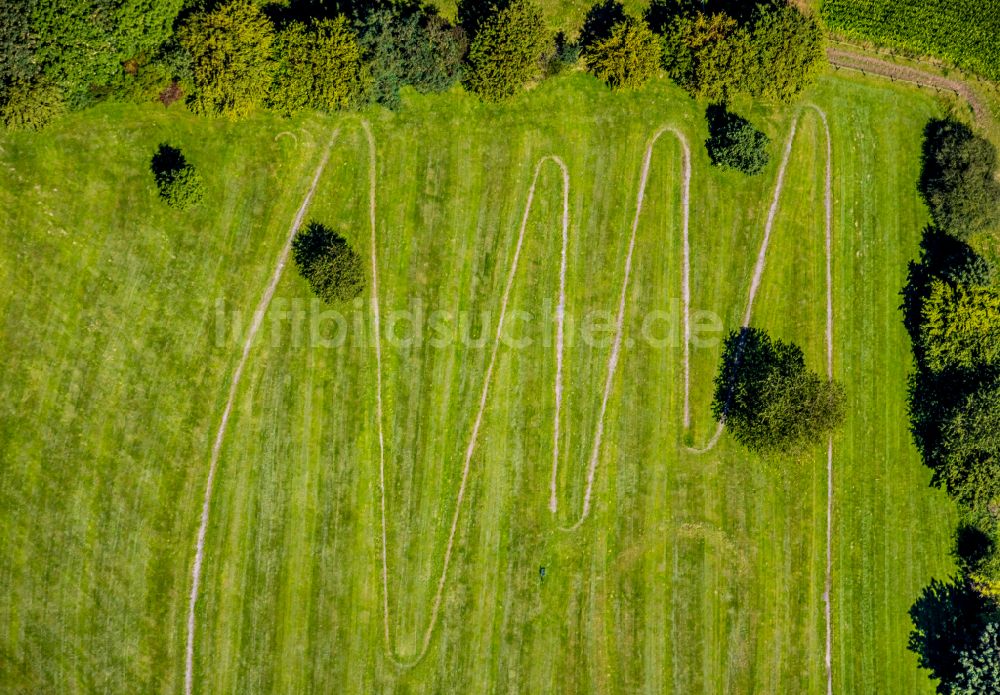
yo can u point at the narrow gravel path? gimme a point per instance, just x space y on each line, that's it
258 318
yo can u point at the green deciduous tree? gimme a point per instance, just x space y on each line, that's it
320 67
17 55
768 399
733 141
80 43
772 52
949 620
506 52
31 105
787 52
966 457
979 664
958 180
961 326
232 51
627 57
706 54
326 260
178 183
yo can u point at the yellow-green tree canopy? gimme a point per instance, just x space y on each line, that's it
961 326
232 49
628 57
320 67
506 51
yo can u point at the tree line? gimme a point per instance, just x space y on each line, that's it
951 309
234 57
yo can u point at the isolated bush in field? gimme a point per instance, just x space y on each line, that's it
506 52
769 400
628 57
958 179
406 47
326 260
320 67
733 142
178 183
30 106
232 51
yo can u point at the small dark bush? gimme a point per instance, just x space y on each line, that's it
733 142
177 182
326 260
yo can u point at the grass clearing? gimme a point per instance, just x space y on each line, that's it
692 574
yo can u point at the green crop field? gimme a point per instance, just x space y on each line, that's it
122 324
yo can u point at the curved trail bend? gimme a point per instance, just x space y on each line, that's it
558 385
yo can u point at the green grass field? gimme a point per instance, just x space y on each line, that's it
693 573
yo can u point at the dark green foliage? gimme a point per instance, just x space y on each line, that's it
958 179
768 399
405 46
967 454
232 52
965 32
506 52
733 142
717 52
601 18
979 664
85 43
472 14
945 258
320 67
326 260
17 59
627 57
177 182
564 55
949 620
706 54
31 105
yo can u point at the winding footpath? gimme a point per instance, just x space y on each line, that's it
258 318
612 364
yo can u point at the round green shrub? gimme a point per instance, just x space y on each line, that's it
327 262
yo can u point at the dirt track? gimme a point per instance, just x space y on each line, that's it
876 66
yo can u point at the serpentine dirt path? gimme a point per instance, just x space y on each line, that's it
612 364
258 318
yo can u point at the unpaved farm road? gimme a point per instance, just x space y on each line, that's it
876 66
